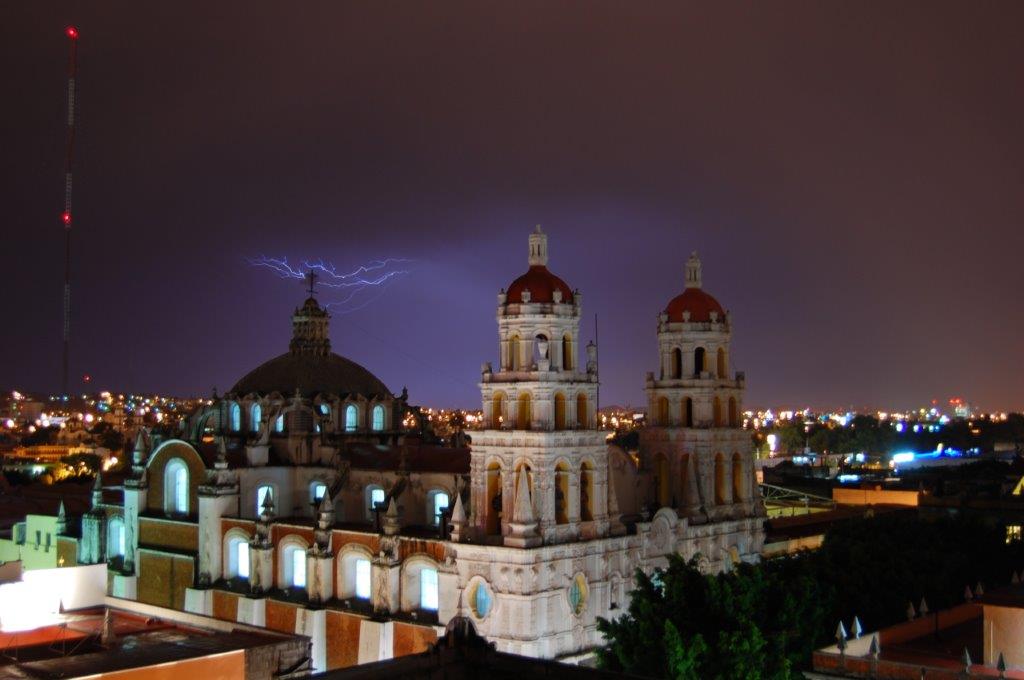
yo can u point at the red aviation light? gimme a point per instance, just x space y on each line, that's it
66 218
71 32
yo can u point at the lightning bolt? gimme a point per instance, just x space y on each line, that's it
355 289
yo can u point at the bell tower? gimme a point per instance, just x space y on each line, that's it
539 469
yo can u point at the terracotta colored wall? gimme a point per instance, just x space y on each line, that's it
410 547
225 606
874 497
164 578
155 470
227 666
412 639
342 639
340 538
280 616
226 525
165 534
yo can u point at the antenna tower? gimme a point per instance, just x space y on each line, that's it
72 34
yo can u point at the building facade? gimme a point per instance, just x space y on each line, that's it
312 500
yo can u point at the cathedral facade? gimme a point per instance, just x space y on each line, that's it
311 499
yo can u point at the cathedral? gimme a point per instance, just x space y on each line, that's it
311 499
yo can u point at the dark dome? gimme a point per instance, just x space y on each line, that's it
698 303
311 374
542 285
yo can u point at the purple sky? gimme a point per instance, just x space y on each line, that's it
850 173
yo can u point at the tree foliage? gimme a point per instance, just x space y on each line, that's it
764 620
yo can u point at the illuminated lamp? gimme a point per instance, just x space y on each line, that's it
71 32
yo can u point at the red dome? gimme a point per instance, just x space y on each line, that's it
698 303
541 283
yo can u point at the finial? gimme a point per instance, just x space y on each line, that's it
311 277
693 271
966 659
538 248
855 628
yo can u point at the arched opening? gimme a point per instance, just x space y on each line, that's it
524 417
698 362
717 412
586 492
262 492
662 481
559 411
687 414
494 499
722 368
737 478
677 363
375 498
236 417
236 554
561 494
582 413
497 410
176 495
437 504
513 353
255 414
317 491
279 424
354 572
541 348
567 353
293 563
721 488
734 416
351 418
663 416
378 418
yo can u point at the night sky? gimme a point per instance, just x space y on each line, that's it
849 172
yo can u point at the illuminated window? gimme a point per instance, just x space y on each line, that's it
437 503
1013 532
255 414
378 418
242 555
261 495
115 538
176 487
298 568
317 491
374 500
279 424
238 556
351 418
481 601
325 409
428 589
578 595
363 579
236 417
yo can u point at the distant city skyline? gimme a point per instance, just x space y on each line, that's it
868 254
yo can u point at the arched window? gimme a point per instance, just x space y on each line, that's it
261 495
378 418
734 416
561 494
541 348
325 409
236 417
437 503
513 353
351 418
237 554
317 491
293 562
698 362
375 497
567 353
586 492
582 412
721 488
497 410
494 499
524 418
663 416
687 412
559 411
279 424
737 479
176 492
717 412
363 578
115 538
255 414
722 368
428 589
677 363
354 572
